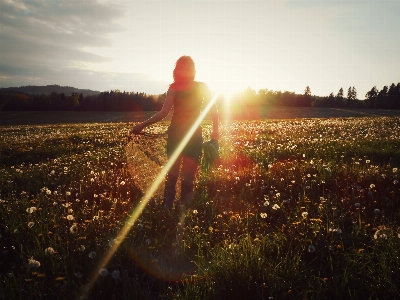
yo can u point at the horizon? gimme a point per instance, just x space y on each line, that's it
133 46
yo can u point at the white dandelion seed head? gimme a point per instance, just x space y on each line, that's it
115 274
92 254
103 272
73 229
31 209
33 264
379 234
377 211
49 251
311 249
78 275
357 205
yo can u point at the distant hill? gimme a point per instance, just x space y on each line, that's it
48 89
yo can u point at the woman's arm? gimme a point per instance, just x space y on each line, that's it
169 100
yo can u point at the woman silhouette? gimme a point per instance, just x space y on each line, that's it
187 97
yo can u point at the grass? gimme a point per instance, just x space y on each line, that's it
296 209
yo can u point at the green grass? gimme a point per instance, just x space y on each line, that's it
296 209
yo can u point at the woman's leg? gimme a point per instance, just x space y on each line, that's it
170 184
188 174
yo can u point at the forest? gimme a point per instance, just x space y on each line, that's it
115 100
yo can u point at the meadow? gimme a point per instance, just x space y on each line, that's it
302 208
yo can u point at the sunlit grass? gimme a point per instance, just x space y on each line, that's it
297 209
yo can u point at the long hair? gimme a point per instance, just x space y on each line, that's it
184 71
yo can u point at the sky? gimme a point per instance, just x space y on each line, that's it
262 44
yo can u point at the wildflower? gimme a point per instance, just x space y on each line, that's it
70 217
68 193
266 203
275 207
92 254
33 263
73 229
115 274
304 214
81 248
30 224
122 183
49 251
367 161
103 272
395 182
31 209
311 249
263 215
372 186
48 192
394 170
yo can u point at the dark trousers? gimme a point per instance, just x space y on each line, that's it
188 168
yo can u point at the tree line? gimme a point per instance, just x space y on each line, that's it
387 98
104 101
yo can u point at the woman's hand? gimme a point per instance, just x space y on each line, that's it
137 129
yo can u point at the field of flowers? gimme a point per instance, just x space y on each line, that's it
295 209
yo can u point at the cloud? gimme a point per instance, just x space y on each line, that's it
40 38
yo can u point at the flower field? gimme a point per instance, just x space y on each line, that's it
295 209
